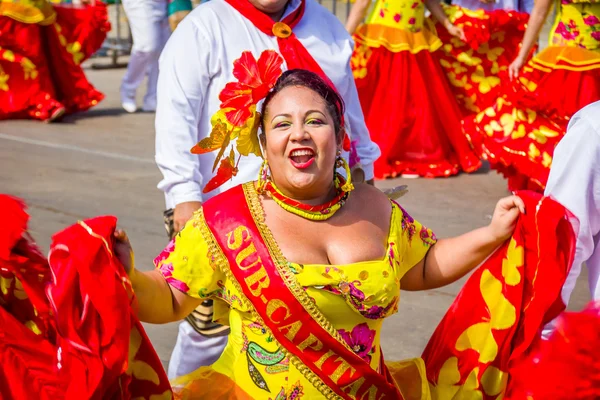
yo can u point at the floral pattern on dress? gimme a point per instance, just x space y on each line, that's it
407 223
407 15
578 25
357 299
165 253
360 340
166 270
427 236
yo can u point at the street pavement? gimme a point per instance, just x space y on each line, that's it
102 162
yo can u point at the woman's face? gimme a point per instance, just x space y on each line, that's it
300 141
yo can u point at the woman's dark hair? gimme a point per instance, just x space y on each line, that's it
312 81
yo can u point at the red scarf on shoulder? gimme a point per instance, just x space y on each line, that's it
294 53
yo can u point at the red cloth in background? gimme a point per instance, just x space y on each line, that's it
40 66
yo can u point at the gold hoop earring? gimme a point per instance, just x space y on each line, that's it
263 177
340 162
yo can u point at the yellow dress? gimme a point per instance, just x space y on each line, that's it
397 26
355 298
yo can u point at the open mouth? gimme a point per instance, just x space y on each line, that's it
302 158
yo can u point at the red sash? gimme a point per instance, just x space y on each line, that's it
281 303
294 53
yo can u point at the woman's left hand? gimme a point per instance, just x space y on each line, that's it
505 217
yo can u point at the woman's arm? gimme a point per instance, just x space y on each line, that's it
157 301
357 14
534 26
450 259
438 12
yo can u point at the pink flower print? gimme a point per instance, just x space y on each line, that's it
572 24
414 5
350 289
397 18
591 20
165 253
427 236
360 340
391 254
412 21
382 13
378 312
596 35
562 30
167 271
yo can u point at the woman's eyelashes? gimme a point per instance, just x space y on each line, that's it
282 124
314 121
309 121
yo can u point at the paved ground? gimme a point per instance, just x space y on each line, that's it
101 162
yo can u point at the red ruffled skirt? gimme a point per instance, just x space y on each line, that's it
412 115
519 132
477 68
40 66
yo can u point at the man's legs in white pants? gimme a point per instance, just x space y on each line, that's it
150 30
193 350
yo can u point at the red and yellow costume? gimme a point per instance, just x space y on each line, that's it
408 104
518 133
297 331
42 47
417 83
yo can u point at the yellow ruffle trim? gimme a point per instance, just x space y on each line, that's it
397 40
29 14
569 58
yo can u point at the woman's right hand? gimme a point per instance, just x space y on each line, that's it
455 31
515 67
124 251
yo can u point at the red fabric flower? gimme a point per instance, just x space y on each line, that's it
255 79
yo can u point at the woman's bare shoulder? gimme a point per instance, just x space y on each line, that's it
372 201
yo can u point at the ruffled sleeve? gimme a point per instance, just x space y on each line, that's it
409 241
186 263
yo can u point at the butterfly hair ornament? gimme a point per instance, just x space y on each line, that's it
238 120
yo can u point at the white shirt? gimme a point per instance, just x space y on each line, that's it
575 183
197 63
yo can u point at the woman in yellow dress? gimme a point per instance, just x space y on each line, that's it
406 98
518 133
303 266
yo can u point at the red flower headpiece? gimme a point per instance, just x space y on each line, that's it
237 118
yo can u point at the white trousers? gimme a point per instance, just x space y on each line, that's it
150 30
193 351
